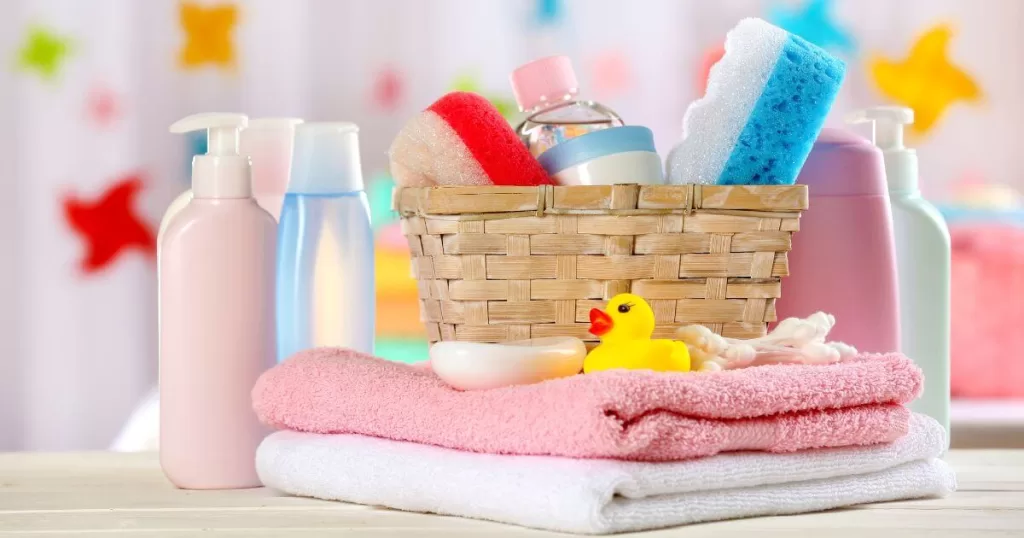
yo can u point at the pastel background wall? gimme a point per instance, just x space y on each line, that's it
87 90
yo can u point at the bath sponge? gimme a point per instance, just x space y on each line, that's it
766 101
462 139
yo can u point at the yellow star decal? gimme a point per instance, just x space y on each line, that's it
208 35
43 52
926 80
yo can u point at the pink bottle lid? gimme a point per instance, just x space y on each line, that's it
543 81
842 163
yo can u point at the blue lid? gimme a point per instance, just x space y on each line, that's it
596 144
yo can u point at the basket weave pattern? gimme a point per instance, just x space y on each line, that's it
509 263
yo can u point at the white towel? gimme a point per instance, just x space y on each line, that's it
602 496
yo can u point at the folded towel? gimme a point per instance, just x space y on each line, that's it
636 415
602 496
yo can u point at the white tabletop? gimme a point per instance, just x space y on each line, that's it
125 495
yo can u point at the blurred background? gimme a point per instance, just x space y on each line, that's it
87 90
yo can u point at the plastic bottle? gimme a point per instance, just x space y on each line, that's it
216 317
268 143
325 264
843 260
923 258
546 90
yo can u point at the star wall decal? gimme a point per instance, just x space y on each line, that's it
611 73
468 83
925 80
209 35
109 225
43 52
815 22
387 89
711 57
548 12
103 106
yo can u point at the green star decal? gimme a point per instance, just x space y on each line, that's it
468 83
43 52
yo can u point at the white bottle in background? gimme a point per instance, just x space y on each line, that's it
217 264
268 144
923 260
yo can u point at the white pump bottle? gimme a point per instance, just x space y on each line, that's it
217 264
923 261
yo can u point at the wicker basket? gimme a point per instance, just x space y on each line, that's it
510 263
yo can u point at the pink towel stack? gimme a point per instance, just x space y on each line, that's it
625 415
600 453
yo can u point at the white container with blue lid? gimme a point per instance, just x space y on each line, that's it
607 157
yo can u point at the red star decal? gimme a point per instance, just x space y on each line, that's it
711 57
387 89
102 106
109 225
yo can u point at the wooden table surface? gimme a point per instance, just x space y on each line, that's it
110 494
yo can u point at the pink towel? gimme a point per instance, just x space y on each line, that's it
634 415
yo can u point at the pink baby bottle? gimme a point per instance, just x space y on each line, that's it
843 260
547 91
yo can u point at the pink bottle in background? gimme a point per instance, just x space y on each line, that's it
217 333
843 260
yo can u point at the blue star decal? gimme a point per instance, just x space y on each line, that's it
549 12
814 22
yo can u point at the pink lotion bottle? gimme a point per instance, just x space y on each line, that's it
843 260
217 331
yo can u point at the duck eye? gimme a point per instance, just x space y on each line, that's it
623 308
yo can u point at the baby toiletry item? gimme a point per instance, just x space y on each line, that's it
923 260
325 278
547 90
766 101
623 414
462 139
625 328
268 144
792 341
844 257
216 317
602 496
988 261
606 157
476 366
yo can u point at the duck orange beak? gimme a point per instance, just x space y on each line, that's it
600 322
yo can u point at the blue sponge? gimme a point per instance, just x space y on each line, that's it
766 102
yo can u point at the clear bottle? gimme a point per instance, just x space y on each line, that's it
546 90
325 277
216 317
923 260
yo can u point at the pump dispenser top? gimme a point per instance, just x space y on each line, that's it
887 124
222 172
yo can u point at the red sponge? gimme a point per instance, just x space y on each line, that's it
462 139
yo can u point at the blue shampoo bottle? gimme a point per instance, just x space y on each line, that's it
325 274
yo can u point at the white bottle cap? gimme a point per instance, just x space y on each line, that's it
887 133
268 144
326 159
222 172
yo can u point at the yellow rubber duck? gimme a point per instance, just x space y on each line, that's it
625 328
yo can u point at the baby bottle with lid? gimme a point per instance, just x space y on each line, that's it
547 90
216 317
843 260
923 259
325 278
